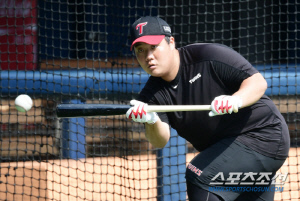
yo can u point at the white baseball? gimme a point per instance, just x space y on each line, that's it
23 103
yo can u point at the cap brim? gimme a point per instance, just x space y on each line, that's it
150 39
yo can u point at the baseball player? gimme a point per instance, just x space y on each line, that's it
242 141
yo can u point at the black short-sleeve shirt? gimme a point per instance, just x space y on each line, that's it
207 71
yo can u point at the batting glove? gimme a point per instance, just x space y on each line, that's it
138 113
225 105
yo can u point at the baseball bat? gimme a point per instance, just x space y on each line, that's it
90 110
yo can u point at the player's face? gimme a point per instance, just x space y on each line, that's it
156 60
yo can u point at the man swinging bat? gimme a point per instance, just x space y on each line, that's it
243 132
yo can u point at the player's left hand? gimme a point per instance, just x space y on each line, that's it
225 105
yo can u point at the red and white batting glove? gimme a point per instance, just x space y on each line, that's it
225 105
138 113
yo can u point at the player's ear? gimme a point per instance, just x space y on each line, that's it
172 42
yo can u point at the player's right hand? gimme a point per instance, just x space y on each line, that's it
138 113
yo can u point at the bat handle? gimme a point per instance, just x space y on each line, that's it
177 108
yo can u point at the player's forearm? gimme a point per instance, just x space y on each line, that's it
158 134
252 89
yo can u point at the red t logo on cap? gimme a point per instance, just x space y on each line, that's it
140 25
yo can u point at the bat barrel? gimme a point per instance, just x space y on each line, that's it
89 110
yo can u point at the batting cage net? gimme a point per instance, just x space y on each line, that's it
78 51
